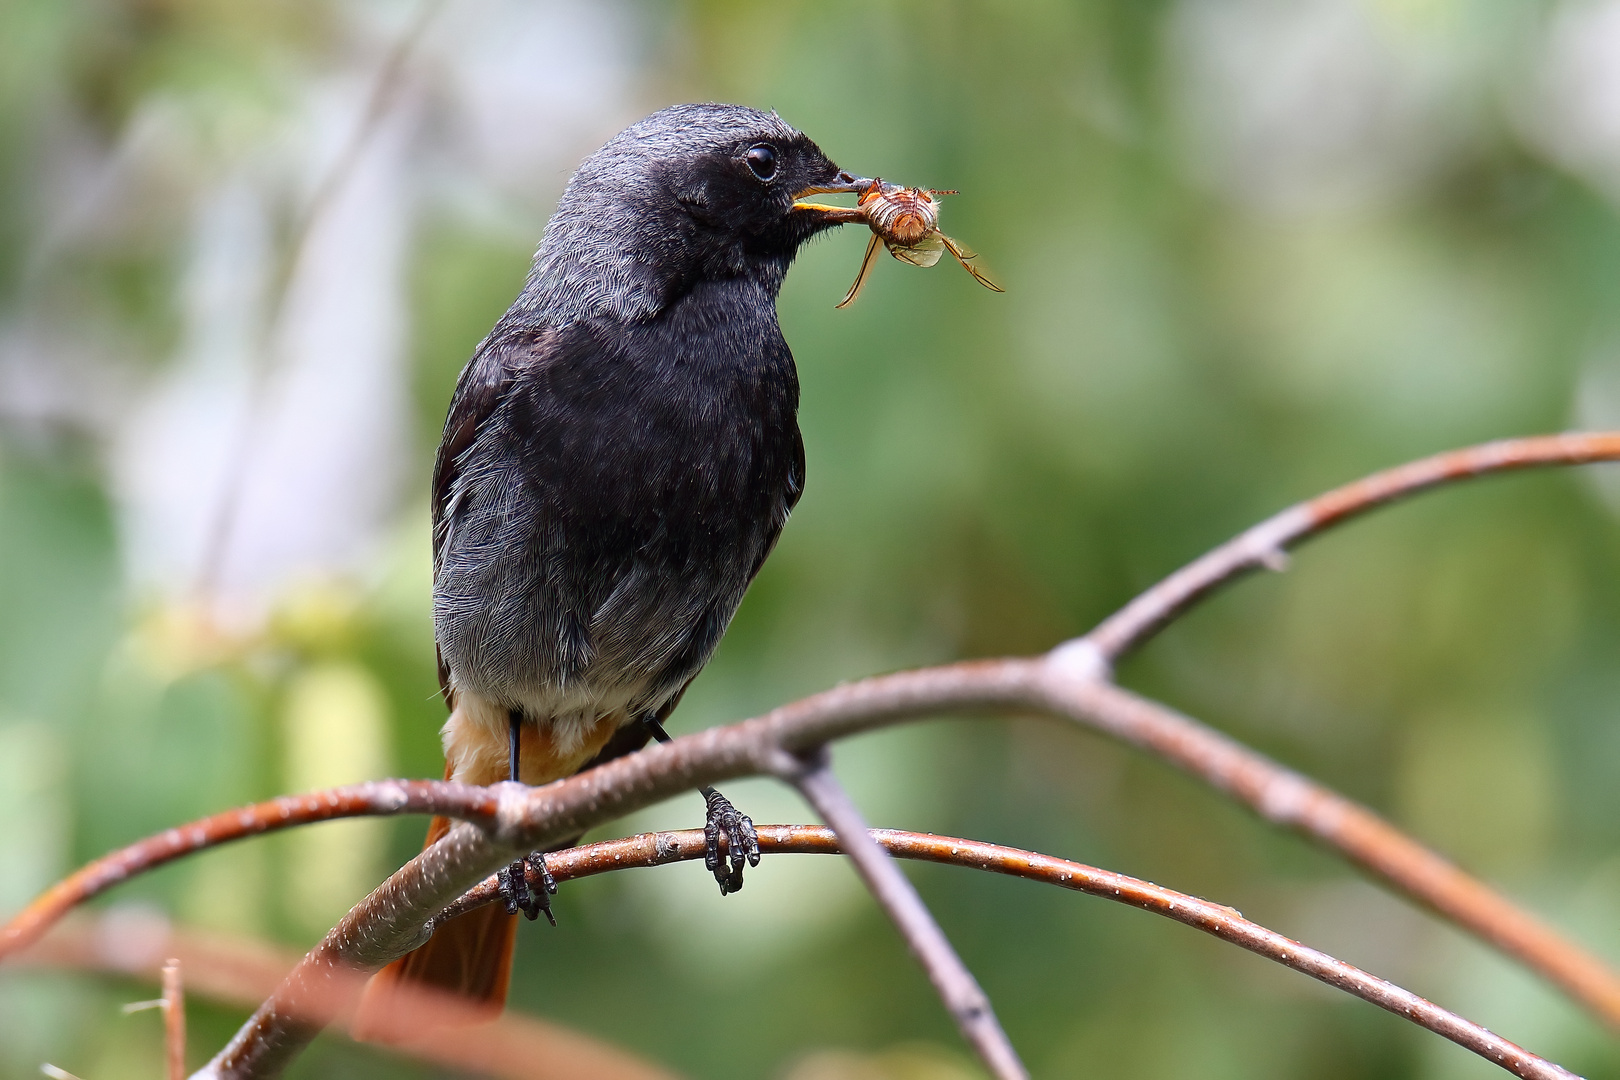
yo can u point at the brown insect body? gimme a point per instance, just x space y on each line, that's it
906 222
901 216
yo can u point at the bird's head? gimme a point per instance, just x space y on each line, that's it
691 193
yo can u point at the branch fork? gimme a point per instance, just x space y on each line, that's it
1072 681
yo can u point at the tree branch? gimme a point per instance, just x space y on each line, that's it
1071 681
377 798
1290 799
1217 920
399 915
964 999
239 972
1266 544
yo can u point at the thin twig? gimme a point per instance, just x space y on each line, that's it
1265 545
174 1019
1218 920
1287 798
377 798
964 998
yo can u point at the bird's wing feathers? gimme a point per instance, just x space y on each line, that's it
482 385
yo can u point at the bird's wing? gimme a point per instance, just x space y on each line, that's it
483 382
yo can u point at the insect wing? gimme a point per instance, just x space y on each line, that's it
965 256
860 278
926 252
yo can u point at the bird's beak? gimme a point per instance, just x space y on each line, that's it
844 183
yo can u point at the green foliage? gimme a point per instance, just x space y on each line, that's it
1177 354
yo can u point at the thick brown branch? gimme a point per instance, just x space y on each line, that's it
1289 799
398 915
1265 544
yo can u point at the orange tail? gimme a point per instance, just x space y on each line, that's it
469 956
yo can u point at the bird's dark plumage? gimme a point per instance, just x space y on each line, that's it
622 451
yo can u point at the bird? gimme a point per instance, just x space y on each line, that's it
621 454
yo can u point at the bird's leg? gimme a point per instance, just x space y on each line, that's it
514 878
732 842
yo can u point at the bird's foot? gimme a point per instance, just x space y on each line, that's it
520 896
732 842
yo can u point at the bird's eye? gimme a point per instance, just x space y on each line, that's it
761 161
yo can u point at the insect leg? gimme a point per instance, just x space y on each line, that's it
866 266
965 257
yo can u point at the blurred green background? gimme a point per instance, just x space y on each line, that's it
1252 249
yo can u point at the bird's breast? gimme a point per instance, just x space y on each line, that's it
613 511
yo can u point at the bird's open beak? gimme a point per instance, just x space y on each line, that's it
845 183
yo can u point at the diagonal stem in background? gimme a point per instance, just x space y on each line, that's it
425 1024
964 999
1265 545
385 88
174 1020
1217 920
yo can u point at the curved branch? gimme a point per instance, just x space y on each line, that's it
1266 544
1217 920
394 918
377 798
1316 811
245 972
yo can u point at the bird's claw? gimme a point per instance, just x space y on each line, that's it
731 841
515 890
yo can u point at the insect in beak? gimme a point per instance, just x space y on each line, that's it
903 220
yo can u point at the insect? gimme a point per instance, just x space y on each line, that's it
906 221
